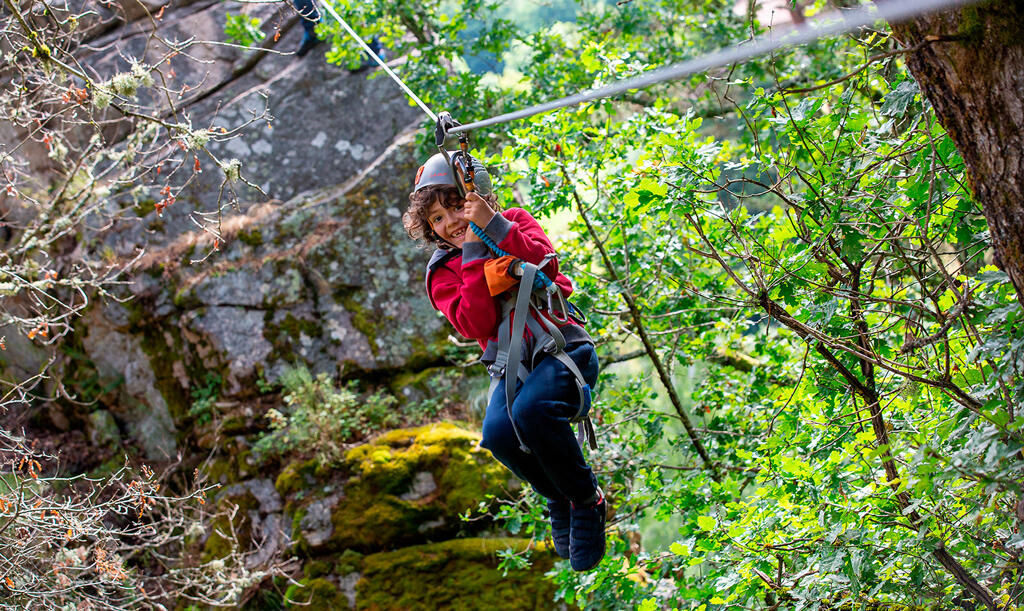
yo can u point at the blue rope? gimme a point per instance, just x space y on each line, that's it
540 281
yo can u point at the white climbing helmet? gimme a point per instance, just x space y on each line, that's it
438 171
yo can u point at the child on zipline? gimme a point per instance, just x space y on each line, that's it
533 437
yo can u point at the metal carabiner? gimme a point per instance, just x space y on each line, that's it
562 319
468 172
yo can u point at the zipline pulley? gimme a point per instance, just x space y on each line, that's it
460 162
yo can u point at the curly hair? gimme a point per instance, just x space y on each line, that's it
415 218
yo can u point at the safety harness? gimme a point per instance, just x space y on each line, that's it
526 311
547 339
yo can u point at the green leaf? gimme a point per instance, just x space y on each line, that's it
852 247
706 523
897 100
590 61
242 29
640 198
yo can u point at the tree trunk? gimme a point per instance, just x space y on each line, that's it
974 78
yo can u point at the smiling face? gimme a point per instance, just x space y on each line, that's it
448 222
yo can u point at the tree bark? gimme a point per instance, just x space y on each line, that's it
974 78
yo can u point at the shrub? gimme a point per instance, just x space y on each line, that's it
243 30
111 542
322 418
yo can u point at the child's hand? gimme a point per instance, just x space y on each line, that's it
477 210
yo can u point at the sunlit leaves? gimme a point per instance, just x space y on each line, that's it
798 235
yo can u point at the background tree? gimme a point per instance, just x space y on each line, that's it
973 79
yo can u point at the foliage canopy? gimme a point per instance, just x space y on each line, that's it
791 240
795 234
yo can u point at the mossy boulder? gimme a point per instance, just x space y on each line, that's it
458 575
406 487
297 476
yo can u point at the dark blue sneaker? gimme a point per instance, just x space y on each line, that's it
368 62
308 42
586 533
560 521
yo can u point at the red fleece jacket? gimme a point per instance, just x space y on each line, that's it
458 288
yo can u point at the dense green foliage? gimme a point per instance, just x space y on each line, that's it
797 235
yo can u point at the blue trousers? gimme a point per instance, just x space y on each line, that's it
555 466
308 14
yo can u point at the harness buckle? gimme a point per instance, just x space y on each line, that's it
559 318
495 370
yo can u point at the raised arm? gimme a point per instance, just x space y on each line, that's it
518 233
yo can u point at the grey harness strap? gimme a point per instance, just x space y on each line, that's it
555 346
547 339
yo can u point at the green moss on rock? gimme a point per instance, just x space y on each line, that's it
350 561
144 206
367 522
296 476
379 509
284 334
362 319
458 575
448 451
232 467
316 568
160 355
405 487
252 237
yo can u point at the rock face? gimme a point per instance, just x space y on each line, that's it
328 280
301 124
314 270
